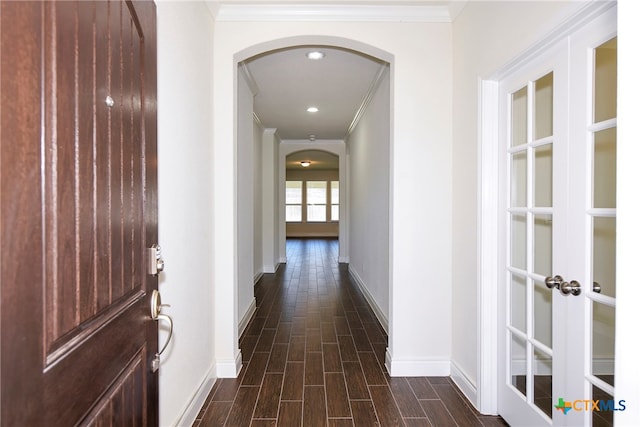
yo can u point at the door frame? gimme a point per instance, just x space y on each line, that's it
490 247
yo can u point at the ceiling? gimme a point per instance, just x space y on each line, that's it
286 83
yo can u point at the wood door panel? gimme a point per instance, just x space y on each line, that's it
122 404
78 207
80 382
79 234
21 247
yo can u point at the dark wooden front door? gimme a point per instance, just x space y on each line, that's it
77 211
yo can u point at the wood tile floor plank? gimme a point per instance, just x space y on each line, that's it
313 355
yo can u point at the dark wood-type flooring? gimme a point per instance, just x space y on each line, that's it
313 355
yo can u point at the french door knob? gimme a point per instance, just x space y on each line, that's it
572 288
554 282
565 288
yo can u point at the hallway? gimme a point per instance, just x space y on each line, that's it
313 355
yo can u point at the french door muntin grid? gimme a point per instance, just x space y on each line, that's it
535 350
594 213
526 272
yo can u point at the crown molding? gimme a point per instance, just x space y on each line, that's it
366 100
331 12
248 77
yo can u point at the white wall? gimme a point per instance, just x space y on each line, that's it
270 201
257 200
185 131
245 202
369 162
480 48
420 243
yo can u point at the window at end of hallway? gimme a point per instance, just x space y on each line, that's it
335 200
312 201
293 201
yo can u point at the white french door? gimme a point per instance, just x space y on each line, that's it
557 317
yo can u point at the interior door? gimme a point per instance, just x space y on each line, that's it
558 319
534 132
78 210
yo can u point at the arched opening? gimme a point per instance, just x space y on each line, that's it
312 194
267 145
416 131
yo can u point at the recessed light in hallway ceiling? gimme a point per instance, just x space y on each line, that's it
287 83
315 55
312 109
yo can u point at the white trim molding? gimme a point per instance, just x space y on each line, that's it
229 368
384 322
366 99
257 277
417 367
191 411
246 318
270 269
332 12
488 247
464 384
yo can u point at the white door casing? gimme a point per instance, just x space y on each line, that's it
571 214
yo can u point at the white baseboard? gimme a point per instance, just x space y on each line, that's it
463 383
229 368
343 260
193 408
246 318
270 269
257 277
372 302
417 367
283 260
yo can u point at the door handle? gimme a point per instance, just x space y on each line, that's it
157 315
572 288
553 282
565 288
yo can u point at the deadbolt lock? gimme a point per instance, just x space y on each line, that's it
155 261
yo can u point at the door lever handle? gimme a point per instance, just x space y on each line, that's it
156 309
169 320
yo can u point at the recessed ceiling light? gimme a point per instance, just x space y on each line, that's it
315 55
305 164
312 137
312 109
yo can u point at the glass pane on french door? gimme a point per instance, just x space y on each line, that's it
600 298
530 255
